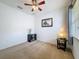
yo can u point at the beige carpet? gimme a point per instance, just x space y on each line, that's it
35 50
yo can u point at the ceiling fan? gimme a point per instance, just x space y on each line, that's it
35 5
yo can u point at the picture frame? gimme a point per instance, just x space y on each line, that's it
48 22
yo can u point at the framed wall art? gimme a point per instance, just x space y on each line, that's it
48 22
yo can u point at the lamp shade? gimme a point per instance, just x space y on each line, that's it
62 33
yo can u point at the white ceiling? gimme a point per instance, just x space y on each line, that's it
48 6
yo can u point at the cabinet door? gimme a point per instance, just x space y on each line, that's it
29 37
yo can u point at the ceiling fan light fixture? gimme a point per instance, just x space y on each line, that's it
35 7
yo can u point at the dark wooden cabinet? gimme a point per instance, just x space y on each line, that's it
61 43
31 37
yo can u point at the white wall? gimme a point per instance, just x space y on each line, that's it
76 48
75 19
14 25
75 25
49 34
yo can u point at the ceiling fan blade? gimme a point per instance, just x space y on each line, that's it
42 2
27 4
39 9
